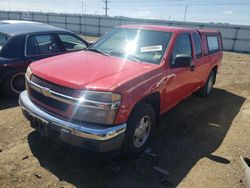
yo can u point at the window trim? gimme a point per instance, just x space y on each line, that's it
31 35
213 51
192 56
200 54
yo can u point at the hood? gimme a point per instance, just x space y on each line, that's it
88 70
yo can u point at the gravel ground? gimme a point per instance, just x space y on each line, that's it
199 143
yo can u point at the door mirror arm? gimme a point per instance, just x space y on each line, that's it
182 60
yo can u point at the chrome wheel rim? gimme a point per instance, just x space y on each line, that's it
142 131
18 82
210 84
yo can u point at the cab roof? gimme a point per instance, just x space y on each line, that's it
13 28
166 28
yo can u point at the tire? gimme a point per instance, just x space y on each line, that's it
14 84
139 134
206 90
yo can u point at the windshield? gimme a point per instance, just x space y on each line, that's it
3 40
135 44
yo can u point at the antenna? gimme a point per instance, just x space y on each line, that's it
185 15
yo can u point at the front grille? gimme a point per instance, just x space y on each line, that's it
49 101
52 86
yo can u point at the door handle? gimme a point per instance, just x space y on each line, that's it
192 68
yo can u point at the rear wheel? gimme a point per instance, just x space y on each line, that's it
206 90
14 84
139 131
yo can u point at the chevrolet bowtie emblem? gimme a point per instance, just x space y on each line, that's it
46 92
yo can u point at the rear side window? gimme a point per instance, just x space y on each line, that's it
72 43
41 44
14 47
182 46
3 40
213 43
197 45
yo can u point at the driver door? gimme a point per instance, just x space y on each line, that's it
181 81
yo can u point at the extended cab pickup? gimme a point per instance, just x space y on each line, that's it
109 97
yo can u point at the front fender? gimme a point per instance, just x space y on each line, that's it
137 90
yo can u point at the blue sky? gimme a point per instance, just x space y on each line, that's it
224 11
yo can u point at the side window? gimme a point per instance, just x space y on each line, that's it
13 48
41 44
197 45
3 40
72 43
182 46
213 43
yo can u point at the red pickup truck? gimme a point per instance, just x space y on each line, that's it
109 97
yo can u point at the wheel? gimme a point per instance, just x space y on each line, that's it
140 127
206 90
14 84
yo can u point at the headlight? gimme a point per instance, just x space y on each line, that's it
28 73
97 107
100 100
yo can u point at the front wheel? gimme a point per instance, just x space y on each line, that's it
206 90
139 131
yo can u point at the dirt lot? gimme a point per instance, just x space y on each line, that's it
198 142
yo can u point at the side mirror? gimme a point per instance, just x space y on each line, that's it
182 60
91 43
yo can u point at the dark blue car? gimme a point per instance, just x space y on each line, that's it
23 42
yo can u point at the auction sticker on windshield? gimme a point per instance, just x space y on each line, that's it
151 48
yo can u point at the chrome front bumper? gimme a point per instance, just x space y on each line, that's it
88 131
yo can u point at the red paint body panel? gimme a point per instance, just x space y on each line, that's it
89 70
92 71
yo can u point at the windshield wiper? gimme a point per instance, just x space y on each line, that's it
133 58
120 54
97 51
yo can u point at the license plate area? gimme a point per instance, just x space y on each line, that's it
40 125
